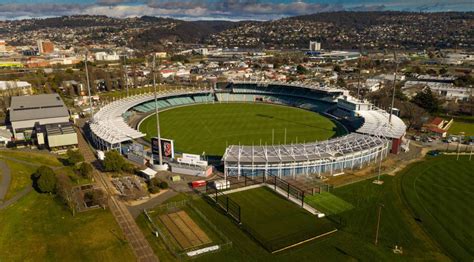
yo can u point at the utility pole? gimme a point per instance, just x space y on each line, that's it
378 224
156 113
394 86
88 86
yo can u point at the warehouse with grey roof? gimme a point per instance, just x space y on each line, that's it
32 116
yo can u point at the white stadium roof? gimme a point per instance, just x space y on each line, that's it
109 125
327 149
376 122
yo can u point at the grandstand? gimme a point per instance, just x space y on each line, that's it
373 135
108 127
330 157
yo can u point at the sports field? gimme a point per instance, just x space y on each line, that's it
209 128
276 222
328 203
441 191
462 125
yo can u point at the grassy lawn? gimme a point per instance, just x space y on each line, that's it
21 177
39 228
275 221
32 157
211 127
440 191
462 124
328 203
26 164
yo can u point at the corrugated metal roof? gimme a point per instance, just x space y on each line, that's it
37 107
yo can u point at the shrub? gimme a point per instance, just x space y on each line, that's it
85 170
74 157
153 189
113 161
163 185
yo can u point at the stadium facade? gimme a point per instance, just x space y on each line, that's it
372 132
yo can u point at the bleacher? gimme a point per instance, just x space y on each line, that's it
301 102
204 98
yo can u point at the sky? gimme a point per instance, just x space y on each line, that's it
216 9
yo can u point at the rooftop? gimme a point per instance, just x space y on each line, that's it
37 107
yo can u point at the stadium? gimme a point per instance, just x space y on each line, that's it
370 133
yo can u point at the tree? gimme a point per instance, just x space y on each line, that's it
163 185
427 100
64 191
74 157
44 179
85 170
301 70
341 82
95 197
113 161
337 68
443 71
413 114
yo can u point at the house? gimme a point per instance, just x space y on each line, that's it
437 126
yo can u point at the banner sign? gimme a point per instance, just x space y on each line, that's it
167 147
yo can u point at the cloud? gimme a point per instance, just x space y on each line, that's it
219 9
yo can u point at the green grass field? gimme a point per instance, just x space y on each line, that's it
209 128
276 222
462 124
39 228
328 203
429 219
440 191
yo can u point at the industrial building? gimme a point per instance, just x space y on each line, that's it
33 118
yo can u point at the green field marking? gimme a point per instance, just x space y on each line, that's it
328 203
260 207
39 227
210 127
440 191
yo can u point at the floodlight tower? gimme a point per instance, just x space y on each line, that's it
124 65
394 87
156 113
88 85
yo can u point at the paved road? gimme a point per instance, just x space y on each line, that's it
132 232
4 180
15 198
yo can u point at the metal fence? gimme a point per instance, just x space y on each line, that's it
224 244
290 189
229 206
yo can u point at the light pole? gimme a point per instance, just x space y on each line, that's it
378 224
88 86
156 113
124 64
394 87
